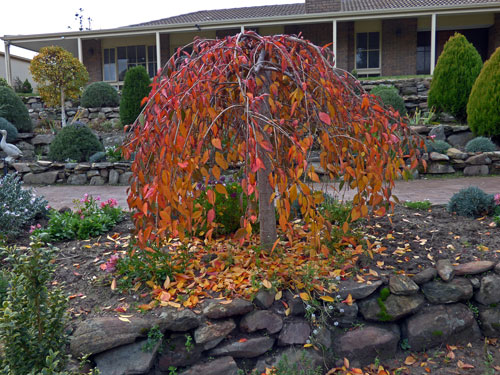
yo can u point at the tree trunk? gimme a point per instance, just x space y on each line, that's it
63 113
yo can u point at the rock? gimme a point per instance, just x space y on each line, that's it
440 132
211 335
113 140
420 129
126 359
296 331
217 310
82 167
37 168
489 291
460 139
261 319
42 139
264 298
402 285
480 159
295 303
178 320
306 360
497 268
458 289
114 177
473 268
21 167
223 365
392 309
436 156
362 345
345 315
440 324
124 178
322 337
438 168
177 354
92 173
476 170
425 276
45 178
97 181
357 290
453 153
476 283
70 166
447 118
251 348
96 335
445 269
77 179
490 321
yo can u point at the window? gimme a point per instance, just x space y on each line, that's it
118 60
368 50
424 52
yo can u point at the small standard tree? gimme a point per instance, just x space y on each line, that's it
456 70
59 76
135 88
263 104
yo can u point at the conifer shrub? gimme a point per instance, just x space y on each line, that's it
12 133
135 89
99 94
389 95
74 142
480 144
3 82
13 109
483 109
471 202
456 70
437 146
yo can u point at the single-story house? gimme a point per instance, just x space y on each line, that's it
20 68
374 37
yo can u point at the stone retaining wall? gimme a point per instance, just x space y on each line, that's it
438 306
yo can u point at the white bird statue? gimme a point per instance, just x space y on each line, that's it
12 151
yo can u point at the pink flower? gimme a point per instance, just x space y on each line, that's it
432 136
497 199
111 263
82 217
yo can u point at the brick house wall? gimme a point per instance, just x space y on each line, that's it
319 6
494 35
399 47
92 59
345 45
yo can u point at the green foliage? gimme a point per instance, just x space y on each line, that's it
419 205
89 219
3 82
389 95
154 337
11 130
99 94
480 144
22 87
437 146
302 367
135 89
74 142
335 211
4 284
18 207
456 70
33 316
483 109
13 109
114 154
471 202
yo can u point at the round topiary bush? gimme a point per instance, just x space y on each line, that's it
135 88
74 142
471 202
11 130
437 146
483 109
99 94
13 110
456 70
480 144
389 95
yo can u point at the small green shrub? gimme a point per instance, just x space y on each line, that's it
13 109
74 142
135 88
99 94
22 87
304 366
11 130
90 218
437 146
18 207
483 108
33 316
3 82
471 202
335 211
419 205
456 70
480 144
389 95
114 154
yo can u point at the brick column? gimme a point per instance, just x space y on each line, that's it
92 59
399 47
494 35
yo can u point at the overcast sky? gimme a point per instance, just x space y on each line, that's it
21 17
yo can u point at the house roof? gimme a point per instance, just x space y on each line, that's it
300 8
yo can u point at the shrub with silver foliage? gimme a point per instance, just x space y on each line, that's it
471 202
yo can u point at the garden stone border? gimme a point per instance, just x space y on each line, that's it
375 329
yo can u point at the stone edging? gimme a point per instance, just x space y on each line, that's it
422 312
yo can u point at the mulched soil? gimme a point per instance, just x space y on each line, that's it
413 239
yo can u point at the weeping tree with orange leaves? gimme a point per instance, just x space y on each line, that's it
261 104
